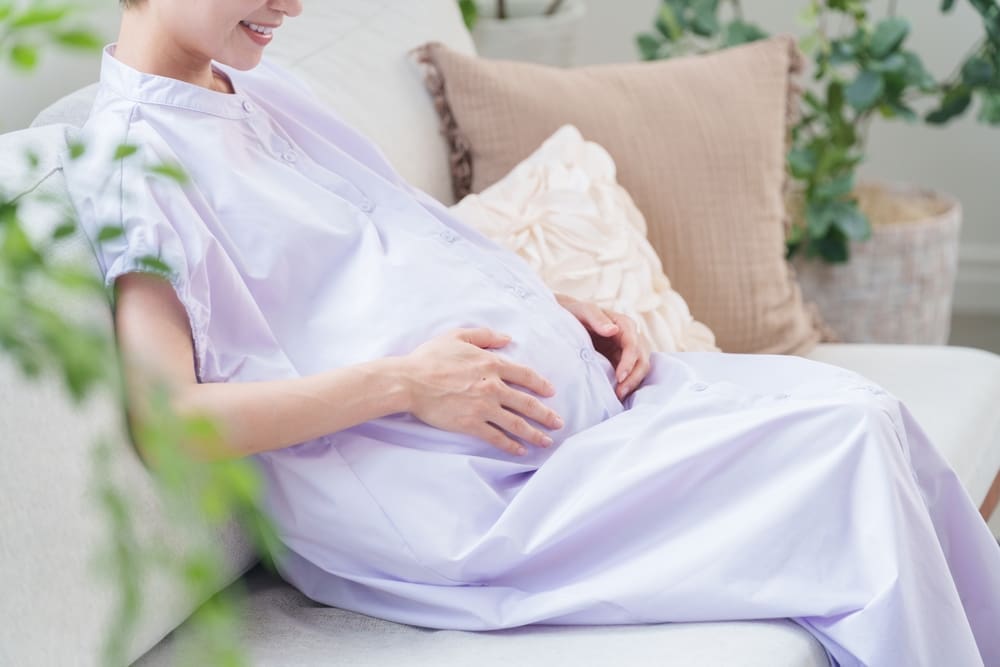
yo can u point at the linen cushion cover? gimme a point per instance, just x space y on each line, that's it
563 212
700 145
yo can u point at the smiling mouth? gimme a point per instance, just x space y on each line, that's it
257 28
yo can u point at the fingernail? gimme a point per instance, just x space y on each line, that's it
521 451
546 441
558 421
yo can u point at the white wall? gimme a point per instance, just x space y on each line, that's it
963 158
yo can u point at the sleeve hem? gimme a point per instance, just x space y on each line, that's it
197 314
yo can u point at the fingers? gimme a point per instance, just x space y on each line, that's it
596 319
525 377
635 378
498 439
633 364
516 425
530 407
483 337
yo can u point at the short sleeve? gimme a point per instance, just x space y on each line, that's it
140 217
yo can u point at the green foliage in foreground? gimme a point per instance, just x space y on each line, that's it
42 338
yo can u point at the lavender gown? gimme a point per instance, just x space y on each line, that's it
727 487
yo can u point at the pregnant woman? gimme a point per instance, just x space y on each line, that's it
447 443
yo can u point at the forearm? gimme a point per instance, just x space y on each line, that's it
255 417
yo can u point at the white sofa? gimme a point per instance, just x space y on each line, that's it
54 612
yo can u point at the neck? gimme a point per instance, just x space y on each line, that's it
143 47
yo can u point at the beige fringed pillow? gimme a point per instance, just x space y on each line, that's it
700 145
563 212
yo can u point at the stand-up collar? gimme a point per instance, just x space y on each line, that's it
153 89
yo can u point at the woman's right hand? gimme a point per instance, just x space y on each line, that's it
456 384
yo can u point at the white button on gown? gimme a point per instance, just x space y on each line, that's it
728 487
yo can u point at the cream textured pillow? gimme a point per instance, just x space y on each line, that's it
563 212
700 145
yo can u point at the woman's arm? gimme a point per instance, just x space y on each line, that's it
452 382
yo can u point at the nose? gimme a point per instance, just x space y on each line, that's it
290 8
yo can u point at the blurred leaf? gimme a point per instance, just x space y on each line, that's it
819 217
109 232
172 171
705 23
836 188
470 13
17 249
154 264
851 221
916 74
989 112
739 32
649 46
38 15
24 56
125 150
894 109
888 35
955 102
977 71
833 247
76 149
669 23
946 5
802 162
64 230
80 39
865 90
6 8
896 62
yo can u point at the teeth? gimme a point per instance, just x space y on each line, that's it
262 29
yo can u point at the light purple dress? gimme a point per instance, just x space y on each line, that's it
728 487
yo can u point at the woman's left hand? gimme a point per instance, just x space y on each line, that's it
617 337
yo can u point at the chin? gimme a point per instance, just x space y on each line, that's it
243 61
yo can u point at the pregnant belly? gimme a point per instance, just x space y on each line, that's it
561 352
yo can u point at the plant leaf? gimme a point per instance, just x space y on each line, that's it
649 46
865 90
83 40
24 56
955 102
172 171
38 15
888 35
977 71
125 150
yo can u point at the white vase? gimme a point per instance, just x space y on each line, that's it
528 35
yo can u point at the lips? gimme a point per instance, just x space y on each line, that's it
259 33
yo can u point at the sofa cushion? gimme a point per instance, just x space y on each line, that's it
564 213
284 628
56 605
953 392
700 145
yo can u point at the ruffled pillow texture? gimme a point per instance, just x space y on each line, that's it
563 211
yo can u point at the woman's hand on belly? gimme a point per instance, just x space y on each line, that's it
456 385
617 337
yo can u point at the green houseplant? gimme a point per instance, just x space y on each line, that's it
543 31
44 334
862 69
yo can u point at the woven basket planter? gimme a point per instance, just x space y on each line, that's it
897 286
